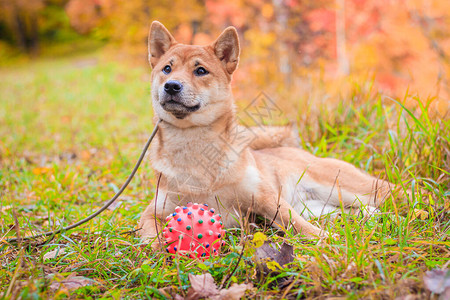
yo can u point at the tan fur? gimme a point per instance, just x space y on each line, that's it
263 174
273 136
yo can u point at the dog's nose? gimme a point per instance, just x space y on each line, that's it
173 87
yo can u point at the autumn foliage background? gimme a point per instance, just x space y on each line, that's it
288 46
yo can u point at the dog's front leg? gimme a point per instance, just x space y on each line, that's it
282 213
153 218
150 226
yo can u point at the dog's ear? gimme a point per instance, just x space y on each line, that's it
159 41
226 48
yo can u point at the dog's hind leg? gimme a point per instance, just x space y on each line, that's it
282 213
340 183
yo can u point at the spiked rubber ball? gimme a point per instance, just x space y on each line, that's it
194 230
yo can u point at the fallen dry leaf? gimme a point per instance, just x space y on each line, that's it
269 261
419 213
55 253
234 292
72 283
286 254
203 286
267 253
437 281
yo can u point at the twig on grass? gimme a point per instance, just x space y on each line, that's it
128 232
331 192
177 265
249 213
235 268
156 201
17 229
278 208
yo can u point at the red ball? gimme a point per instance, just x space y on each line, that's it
194 230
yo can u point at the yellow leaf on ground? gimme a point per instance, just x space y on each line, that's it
419 213
273 265
258 239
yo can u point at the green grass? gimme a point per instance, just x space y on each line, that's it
71 129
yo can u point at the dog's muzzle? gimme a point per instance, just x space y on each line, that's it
172 100
176 106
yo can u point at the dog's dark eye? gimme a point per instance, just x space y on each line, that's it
167 69
200 71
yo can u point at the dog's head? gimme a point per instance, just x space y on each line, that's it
191 84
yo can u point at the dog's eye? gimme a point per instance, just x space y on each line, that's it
167 69
200 71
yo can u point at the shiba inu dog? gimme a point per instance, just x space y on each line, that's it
202 155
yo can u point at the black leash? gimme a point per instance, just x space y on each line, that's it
111 201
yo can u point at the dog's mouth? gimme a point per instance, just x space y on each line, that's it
179 110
